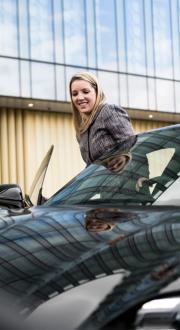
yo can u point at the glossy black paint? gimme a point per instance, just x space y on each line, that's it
48 249
11 196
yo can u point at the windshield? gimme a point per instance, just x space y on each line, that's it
147 173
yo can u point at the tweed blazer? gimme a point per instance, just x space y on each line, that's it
110 126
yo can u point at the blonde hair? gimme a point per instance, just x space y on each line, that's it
82 126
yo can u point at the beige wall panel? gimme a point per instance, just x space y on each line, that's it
12 143
11 147
41 129
146 125
30 147
20 148
4 146
27 135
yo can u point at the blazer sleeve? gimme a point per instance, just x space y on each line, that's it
117 122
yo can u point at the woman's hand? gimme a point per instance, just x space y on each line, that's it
140 182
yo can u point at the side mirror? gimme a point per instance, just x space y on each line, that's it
11 196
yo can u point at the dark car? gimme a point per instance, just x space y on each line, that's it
112 233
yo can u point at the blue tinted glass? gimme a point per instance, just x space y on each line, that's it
106 34
149 37
9 82
74 32
136 52
121 40
123 90
60 82
91 34
23 29
151 94
8 28
43 83
41 30
175 7
177 95
25 78
137 92
165 95
162 38
58 31
110 79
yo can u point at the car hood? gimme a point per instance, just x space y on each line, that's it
46 251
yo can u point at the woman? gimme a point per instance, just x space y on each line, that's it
99 126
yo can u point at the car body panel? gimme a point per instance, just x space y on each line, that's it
98 225
50 249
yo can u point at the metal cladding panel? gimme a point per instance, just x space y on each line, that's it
26 136
146 125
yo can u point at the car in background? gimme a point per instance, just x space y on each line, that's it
109 240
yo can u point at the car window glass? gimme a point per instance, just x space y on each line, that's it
158 160
153 165
170 196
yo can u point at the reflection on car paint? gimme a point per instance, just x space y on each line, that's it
98 225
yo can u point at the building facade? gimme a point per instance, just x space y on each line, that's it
133 46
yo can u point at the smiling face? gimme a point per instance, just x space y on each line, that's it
96 225
83 96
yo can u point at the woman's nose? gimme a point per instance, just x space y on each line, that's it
80 96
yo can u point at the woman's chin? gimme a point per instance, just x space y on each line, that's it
85 111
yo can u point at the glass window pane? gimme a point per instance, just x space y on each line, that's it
121 42
8 28
176 38
162 38
58 29
151 94
123 90
106 34
43 85
91 34
149 38
135 36
9 82
74 29
177 96
137 92
41 30
23 29
109 83
165 95
25 78
60 83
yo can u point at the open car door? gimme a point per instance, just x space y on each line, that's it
34 197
